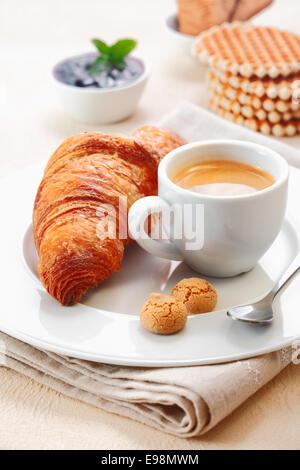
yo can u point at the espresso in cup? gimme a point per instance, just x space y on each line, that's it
222 178
216 236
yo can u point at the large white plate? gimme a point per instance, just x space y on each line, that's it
106 327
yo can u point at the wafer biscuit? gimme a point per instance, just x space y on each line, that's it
280 129
256 102
248 50
248 110
282 88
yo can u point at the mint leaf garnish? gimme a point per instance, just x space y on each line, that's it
102 47
122 48
99 65
111 56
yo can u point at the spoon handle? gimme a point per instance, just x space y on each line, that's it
289 273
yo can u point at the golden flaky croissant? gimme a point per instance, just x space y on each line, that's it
79 196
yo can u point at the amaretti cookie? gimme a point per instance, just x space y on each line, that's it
163 314
198 295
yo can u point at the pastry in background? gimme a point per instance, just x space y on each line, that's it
78 199
245 9
195 16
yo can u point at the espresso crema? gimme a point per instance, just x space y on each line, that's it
223 178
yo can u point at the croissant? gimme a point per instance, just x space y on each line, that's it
79 199
157 140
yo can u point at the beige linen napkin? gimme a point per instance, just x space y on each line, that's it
185 401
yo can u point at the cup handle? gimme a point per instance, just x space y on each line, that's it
137 216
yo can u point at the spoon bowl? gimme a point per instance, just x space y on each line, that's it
261 312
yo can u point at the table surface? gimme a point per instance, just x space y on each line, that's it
33 36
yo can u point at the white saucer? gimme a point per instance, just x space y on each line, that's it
106 327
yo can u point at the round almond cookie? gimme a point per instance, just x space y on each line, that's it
198 295
248 50
283 88
280 129
163 314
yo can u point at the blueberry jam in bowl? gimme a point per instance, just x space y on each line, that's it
105 97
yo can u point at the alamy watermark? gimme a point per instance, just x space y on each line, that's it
184 222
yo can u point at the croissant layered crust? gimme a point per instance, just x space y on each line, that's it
78 198
158 140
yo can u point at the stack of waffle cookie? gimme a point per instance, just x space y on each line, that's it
254 77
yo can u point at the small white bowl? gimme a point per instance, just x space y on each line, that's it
184 41
101 105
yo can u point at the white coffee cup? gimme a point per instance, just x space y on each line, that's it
235 231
